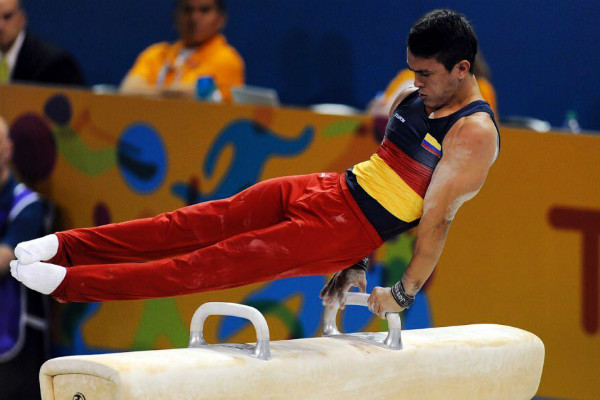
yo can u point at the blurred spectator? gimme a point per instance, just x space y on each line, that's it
23 326
202 50
26 57
405 78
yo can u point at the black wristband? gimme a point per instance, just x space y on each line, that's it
399 294
362 264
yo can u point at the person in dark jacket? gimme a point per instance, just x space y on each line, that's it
24 344
25 57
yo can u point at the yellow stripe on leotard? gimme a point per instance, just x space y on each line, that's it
387 187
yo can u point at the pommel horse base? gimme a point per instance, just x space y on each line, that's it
460 362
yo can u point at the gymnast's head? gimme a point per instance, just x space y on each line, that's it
441 50
198 21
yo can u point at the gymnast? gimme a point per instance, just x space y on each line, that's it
440 142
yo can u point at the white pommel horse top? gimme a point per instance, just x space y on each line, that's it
458 362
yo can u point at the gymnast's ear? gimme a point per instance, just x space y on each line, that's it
462 69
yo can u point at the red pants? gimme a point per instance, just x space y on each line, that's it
292 226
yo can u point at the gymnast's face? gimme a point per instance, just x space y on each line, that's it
198 21
12 21
437 86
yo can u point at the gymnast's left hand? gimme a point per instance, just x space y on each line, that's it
340 283
381 302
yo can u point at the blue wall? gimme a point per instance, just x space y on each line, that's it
543 54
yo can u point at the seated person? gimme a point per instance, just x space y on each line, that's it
405 78
23 319
202 50
27 58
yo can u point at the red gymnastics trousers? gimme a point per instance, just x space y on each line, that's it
283 227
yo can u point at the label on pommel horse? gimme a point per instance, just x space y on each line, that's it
459 362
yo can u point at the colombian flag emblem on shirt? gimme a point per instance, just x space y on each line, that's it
432 145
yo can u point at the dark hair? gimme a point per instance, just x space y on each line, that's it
219 4
444 35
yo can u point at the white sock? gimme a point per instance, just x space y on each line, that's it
38 276
41 249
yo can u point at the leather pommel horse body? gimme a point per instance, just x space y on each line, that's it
459 362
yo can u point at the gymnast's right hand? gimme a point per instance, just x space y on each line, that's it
341 282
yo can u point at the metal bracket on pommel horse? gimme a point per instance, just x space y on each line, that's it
261 350
392 341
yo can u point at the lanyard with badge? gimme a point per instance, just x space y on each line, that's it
174 67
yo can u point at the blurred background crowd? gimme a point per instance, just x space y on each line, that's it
538 54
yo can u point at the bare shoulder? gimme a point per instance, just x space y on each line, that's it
401 96
475 134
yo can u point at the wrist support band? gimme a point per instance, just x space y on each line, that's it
362 264
399 294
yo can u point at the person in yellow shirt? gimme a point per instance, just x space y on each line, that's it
405 78
173 68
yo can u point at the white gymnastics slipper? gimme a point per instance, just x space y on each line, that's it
38 276
41 249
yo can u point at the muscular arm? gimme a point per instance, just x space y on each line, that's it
137 85
469 152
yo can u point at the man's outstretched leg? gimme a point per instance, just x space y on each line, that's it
320 234
279 251
169 234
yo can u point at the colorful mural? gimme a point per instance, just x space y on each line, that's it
529 238
252 144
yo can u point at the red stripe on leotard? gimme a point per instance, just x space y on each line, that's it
415 174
